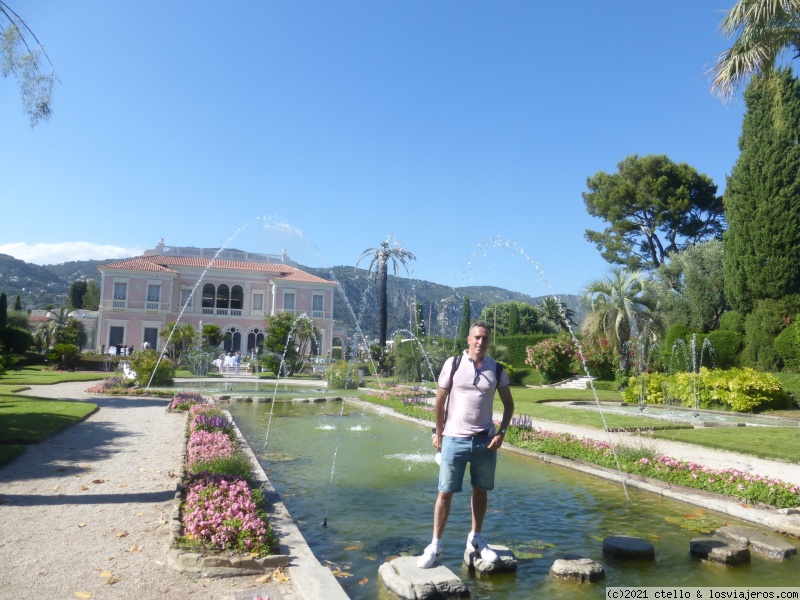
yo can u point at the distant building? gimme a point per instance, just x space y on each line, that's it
233 289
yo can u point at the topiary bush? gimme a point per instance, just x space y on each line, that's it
144 363
762 326
16 340
64 356
727 345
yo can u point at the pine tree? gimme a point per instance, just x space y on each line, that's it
762 201
466 317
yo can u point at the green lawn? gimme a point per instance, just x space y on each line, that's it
29 420
773 443
40 375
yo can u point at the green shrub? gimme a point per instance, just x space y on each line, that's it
762 326
341 377
65 356
144 363
532 377
741 390
732 321
786 345
608 386
16 340
674 333
516 346
600 361
727 345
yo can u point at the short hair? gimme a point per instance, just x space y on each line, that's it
482 324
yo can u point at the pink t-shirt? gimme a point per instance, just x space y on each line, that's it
469 409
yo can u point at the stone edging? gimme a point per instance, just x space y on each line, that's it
213 565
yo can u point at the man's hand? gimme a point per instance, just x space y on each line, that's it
496 442
436 440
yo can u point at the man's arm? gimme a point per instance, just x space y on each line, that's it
508 412
441 397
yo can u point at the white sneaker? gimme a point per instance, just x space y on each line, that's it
477 544
429 557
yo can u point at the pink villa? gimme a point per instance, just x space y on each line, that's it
236 291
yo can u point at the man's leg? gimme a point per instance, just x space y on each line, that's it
441 513
480 500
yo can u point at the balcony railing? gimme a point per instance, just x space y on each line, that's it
150 305
239 313
119 303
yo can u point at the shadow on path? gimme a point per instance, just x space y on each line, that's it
64 499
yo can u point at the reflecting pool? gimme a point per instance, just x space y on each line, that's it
380 505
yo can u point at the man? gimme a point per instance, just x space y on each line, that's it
468 435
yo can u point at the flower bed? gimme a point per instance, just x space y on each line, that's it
220 513
116 386
743 486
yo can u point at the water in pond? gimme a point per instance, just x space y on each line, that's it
381 505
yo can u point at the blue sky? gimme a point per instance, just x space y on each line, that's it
462 129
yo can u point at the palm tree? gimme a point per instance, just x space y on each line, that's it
378 267
557 313
57 323
764 29
620 306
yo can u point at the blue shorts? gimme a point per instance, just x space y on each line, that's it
457 452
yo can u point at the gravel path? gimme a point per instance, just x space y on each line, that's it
85 514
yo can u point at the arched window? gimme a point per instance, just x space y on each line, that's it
233 339
237 297
223 296
254 339
209 293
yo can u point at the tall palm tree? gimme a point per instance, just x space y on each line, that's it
620 306
58 321
379 268
764 30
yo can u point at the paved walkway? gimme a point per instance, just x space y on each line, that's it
87 511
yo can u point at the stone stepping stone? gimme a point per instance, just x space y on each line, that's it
581 570
771 546
406 580
506 561
628 547
719 551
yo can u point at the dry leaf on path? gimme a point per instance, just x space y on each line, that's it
105 574
56 487
363 581
139 514
81 524
98 481
83 488
134 548
82 594
278 576
264 578
122 534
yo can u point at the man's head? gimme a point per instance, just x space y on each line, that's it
478 340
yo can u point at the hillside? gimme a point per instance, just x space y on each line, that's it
44 285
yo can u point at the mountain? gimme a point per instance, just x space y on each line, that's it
441 304
39 286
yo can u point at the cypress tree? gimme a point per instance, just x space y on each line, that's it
18 303
762 200
513 319
3 311
466 317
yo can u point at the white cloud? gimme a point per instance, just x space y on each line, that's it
51 254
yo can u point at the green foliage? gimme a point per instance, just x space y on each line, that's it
654 207
181 336
762 200
674 333
732 320
415 362
16 340
553 358
787 346
341 377
762 326
18 303
727 346
63 355
527 376
3 311
500 315
91 299
212 334
740 390
18 319
236 466
73 332
144 363
692 286
517 346
608 386
77 290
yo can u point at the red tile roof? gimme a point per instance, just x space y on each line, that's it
159 263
